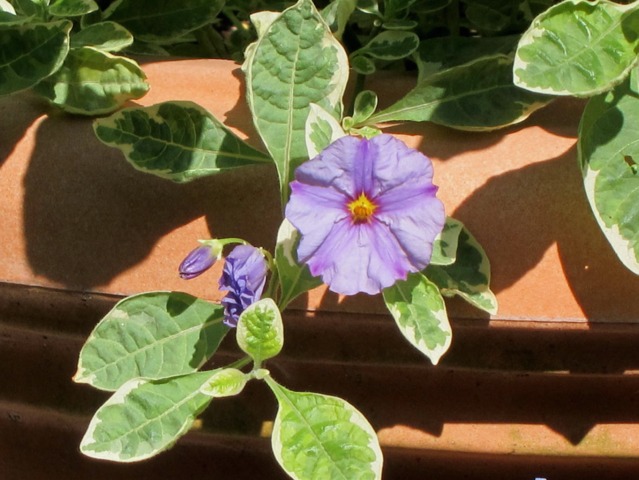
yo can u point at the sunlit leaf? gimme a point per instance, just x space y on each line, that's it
260 331
153 335
179 141
91 82
319 436
420 313
445 245
295 62
145 417
294 278
468 277
609 158
107 36
321 130
578 48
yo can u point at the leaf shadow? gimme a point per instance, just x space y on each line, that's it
14 122
89 216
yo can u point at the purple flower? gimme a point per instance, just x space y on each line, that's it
243 277
198 261
367 213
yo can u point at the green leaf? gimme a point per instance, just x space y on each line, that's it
157 20
391 45
226 382
362 64
294 278
609 154
420 313
578 48
400 25
153 335
337 13
260 331
441 53
145 417
321 130
107 36
295 62
179 141
72 8
92 82
475 96
364 107
319 436
31 8
468 277
445 245
31 52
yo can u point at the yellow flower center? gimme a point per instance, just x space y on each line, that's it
361 209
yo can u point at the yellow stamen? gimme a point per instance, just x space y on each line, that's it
361 209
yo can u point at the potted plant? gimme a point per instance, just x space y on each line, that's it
113 129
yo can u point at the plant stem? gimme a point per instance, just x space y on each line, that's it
452 18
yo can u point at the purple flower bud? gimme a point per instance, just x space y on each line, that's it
197 262
243 277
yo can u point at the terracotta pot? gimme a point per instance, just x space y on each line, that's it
546 388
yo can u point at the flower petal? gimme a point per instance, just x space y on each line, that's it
359 258
333 167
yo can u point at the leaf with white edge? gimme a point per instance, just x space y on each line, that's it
31 52
72 8
92 82
578 48
420 313
476 96
337 13
153 335
441 53
179 141
364 106
260 331
158 20
609 156
400 25
445 244
320 436
296 62
391 45
107 36
363 65
31 8
226 382
7 7
145 417
321 130
468 277
294 278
